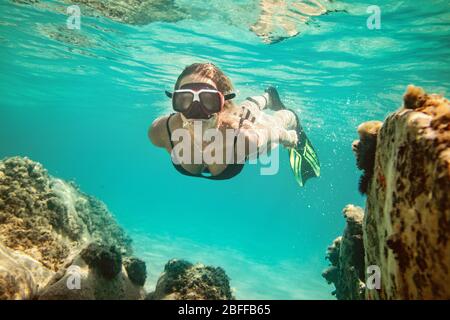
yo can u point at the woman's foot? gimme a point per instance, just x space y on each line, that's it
274 99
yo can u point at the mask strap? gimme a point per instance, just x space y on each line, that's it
229 96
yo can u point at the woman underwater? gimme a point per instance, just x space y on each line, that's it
203 94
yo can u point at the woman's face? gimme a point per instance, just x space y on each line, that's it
197 82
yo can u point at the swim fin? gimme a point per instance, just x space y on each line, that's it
303 158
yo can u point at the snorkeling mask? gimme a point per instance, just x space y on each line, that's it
198 101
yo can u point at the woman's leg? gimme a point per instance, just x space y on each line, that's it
286 119
283 118
259 102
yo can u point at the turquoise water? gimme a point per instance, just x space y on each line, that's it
80 102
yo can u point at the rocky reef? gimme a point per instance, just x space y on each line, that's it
346 255
48 228
364 150
48 218
21 277
57 242
183 280
406 225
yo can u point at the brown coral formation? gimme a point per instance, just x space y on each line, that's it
96 274
182 280
21 277
45 225
364 150
346 256
59 243
48 218
136 270
406 224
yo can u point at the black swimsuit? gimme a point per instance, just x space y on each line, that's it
230 171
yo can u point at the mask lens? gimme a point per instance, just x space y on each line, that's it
211 101
182 101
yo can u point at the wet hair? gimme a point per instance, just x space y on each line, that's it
210 71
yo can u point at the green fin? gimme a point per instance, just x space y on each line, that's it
303 158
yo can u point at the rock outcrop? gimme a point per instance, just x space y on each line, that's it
406 225
96 274
182 280
48 218
346 255
48 228
21 276
136 270
59 243
364 150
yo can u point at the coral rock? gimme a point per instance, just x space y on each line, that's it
48 218
406 226
106 260
407 221
21 277
364 150
346 256
136 270
182 280
45 223
79 281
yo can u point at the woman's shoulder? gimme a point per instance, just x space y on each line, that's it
167 121
160 129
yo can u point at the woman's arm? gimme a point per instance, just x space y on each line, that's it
157 132
258 138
